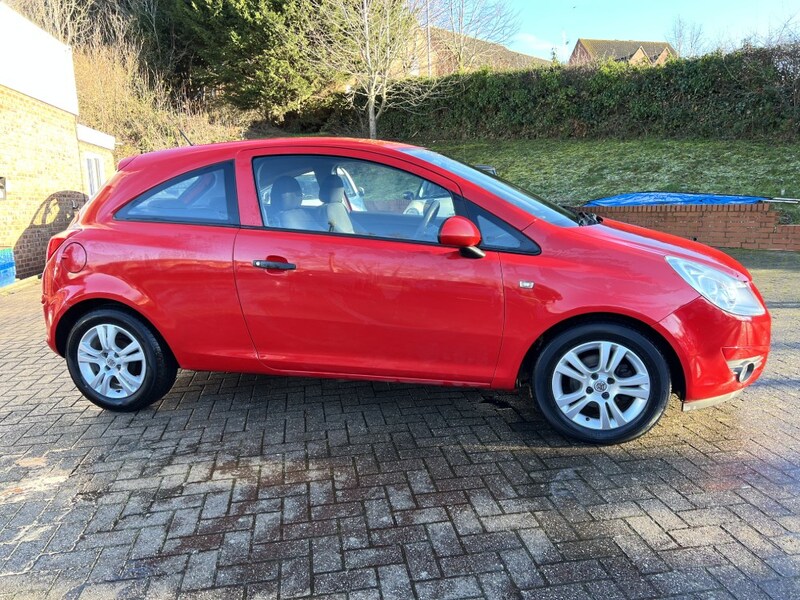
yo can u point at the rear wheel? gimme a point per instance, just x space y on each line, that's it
601 383
117 362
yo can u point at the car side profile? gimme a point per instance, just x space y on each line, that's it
300 257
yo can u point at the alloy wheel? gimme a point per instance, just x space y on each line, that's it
601 385
111 361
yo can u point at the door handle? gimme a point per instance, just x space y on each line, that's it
271 264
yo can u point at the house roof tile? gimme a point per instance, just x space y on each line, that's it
492 54
624 49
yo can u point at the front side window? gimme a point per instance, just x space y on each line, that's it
204 196
349 196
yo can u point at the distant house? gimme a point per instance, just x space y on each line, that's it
629 51
479 54
436 52
49 163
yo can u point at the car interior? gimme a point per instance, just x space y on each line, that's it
201 197
313 193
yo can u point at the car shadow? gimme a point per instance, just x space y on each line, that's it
454 416
53 215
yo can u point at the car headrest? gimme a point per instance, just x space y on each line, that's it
262 178
331 189
286 193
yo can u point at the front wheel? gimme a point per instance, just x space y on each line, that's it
601 383
117 362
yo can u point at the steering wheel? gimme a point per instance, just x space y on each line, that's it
430 212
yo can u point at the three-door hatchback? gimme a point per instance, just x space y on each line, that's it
376 260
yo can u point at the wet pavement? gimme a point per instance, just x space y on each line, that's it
241 486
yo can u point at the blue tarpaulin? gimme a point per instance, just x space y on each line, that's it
654 198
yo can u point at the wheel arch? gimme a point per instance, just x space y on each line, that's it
75 312
676 369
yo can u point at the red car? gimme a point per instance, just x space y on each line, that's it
298 257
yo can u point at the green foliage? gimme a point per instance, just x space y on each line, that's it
331 113
753 93
250 53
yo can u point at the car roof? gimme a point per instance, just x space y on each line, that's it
228 149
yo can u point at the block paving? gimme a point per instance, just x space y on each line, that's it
242 486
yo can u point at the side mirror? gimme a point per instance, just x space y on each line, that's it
463 234
408 196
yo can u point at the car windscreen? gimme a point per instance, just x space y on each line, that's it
537 207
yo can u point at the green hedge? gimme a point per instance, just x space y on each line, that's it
752 93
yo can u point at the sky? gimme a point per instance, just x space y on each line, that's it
546 25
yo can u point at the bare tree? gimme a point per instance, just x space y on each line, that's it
84 22
688 39
468 24
67 20
787 32
372 43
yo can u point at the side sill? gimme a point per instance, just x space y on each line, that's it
708 402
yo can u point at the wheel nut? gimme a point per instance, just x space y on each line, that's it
594 375
589 390
610 380
605 395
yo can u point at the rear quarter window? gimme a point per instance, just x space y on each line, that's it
206 196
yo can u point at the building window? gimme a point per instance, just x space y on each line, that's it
94 173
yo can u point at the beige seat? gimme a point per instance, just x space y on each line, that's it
332 215
286 200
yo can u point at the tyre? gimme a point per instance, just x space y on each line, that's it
117 362
601 383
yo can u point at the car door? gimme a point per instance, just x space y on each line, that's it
365 303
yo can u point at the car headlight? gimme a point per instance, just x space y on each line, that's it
722 290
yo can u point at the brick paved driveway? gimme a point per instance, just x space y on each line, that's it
241 486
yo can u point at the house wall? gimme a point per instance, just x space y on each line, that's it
752 226
43 150
41 66
46 178
579 56
639 58
663 57
39 157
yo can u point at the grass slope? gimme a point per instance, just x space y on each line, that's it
575 171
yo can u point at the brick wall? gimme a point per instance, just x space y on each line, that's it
42 162
753 226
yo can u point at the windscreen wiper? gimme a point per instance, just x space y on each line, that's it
588 218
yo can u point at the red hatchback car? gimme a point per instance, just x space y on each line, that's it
302 257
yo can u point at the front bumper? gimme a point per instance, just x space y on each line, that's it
720 353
